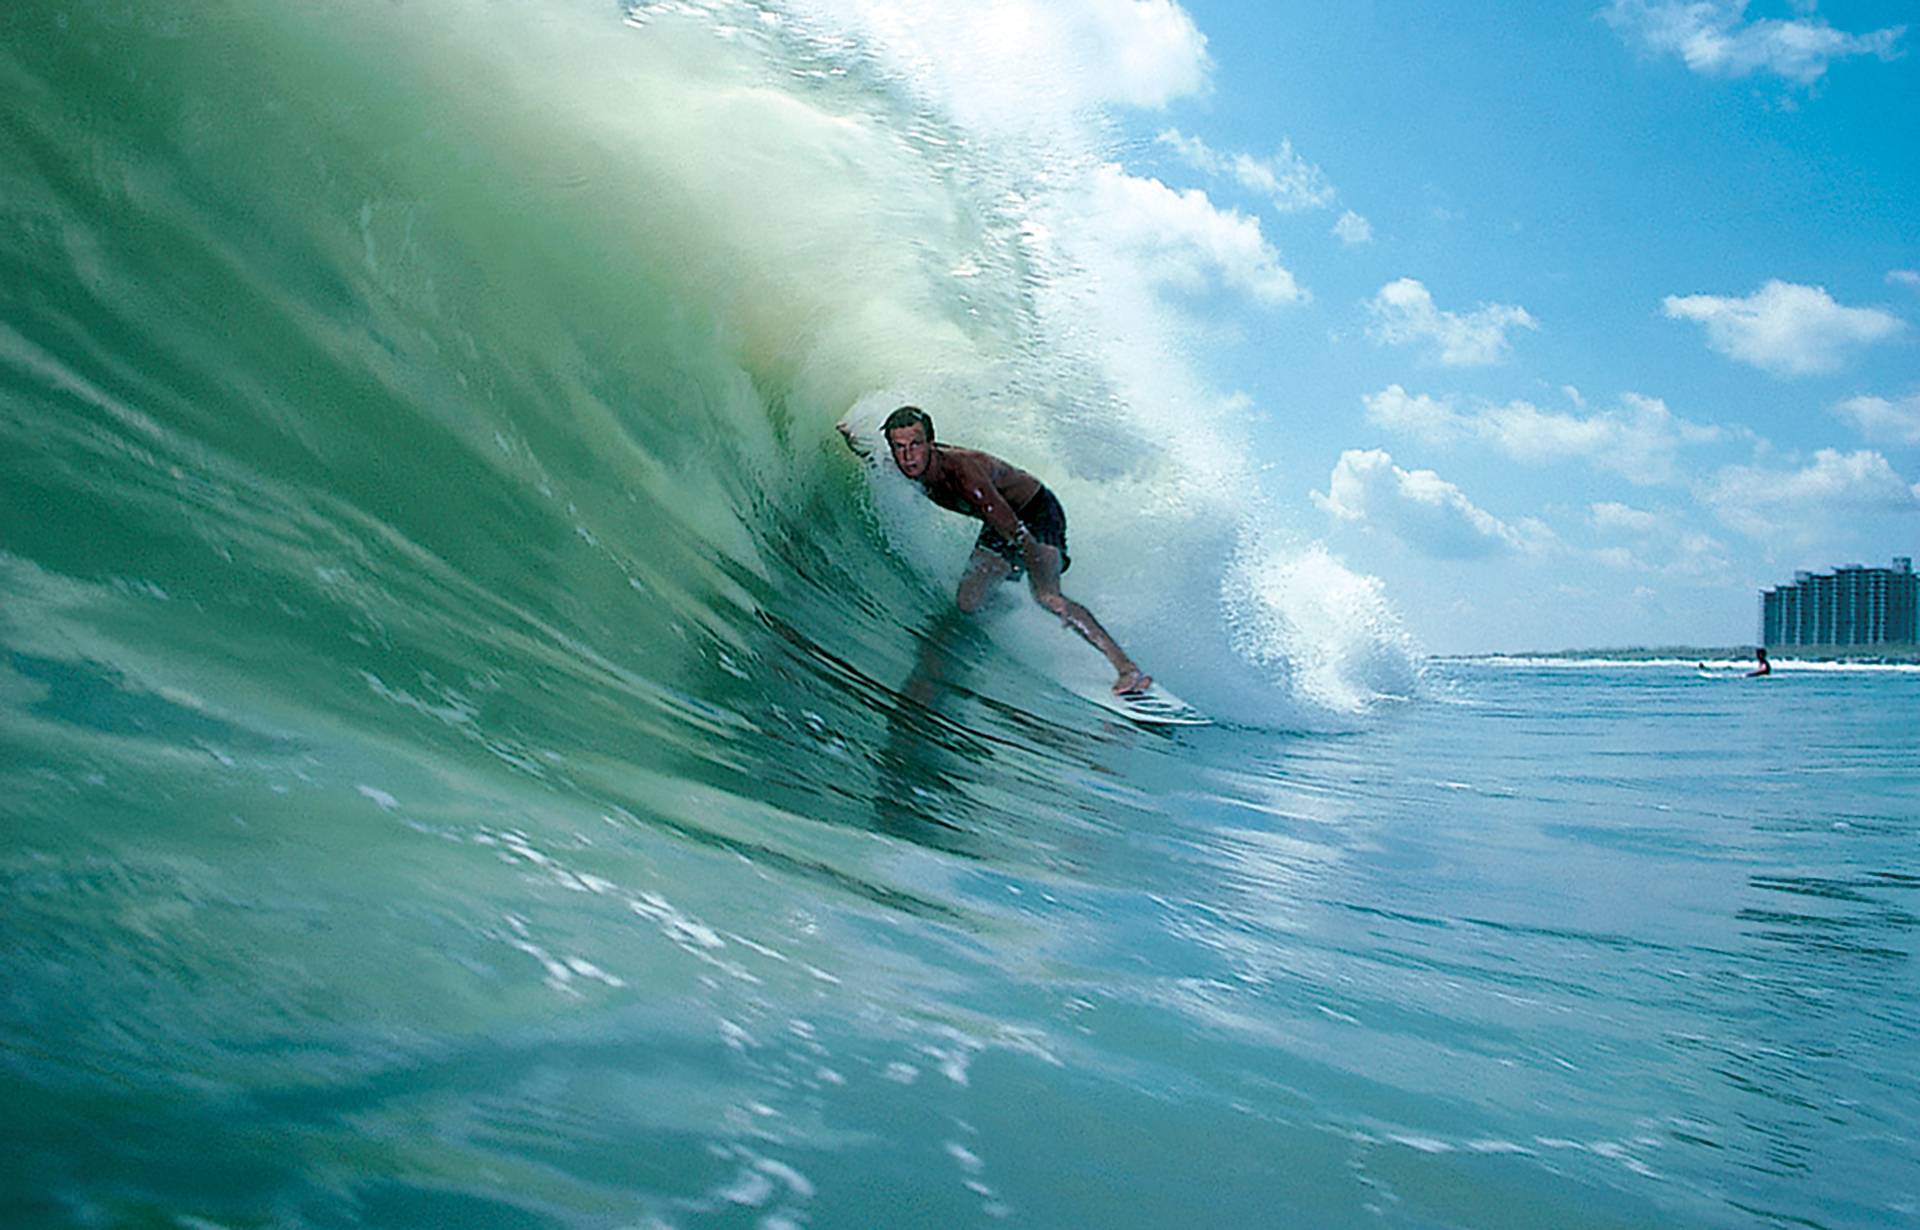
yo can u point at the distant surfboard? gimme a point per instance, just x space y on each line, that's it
1154 707
1729 674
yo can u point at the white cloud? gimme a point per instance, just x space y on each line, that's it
1640 439
1904 277
1418 507
1353 230
1031 67
1894 422
1430 420
1715 37
1784 328
1288 181
1611 517
1798 504
1182 240
1404 311
1660 545
1695 554
1193 151
1150 52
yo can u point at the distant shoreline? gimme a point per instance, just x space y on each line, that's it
1865 654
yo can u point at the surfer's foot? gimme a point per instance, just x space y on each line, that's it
1131 682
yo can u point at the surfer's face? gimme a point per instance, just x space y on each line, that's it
911 452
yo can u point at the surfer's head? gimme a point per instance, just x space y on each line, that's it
909 432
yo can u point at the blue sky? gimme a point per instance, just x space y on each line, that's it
1575 325
1604 315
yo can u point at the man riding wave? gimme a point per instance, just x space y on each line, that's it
1025 528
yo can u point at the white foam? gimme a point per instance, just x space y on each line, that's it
874 203
381 798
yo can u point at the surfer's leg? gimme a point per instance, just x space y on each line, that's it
984 571
1045 580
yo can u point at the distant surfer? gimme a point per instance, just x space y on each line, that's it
1025 528
1764 668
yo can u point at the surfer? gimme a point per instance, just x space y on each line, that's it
1764 668
1025 528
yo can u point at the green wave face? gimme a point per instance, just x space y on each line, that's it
453 676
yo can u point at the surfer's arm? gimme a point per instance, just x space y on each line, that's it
853 442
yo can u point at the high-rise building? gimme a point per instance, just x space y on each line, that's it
1852 605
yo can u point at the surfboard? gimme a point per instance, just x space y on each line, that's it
1728 674
1154 707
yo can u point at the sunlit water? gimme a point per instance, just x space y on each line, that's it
1567 947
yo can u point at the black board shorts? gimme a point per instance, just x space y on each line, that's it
1044 519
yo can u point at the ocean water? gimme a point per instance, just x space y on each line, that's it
475 751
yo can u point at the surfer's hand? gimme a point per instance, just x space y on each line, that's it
1030 548
846 433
